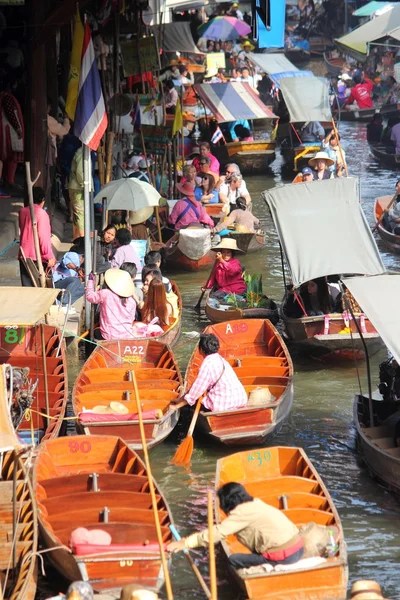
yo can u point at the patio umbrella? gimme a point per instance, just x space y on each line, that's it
128 193
224 28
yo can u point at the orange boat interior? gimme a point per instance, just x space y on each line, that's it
68 472
22 347
282 477
106 376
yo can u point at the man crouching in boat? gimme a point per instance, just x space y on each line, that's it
216 380
263 529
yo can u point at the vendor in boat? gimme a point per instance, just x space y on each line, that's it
392 223
216 381
231 128
188 210
331 145
360 96
227 276
312 132
205 151
266 531
241 218
320 164
206 192
315 298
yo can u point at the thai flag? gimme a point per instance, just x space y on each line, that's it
217 135
90 117
135 115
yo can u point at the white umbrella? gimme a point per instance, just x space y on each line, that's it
128 193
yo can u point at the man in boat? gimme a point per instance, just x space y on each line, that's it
306 176
360 94
392 223
216 381
205 151
312 132
331 145
265 530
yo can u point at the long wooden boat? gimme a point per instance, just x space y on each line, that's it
99 483
385 158
248 242
333 63
390 239
21 346
106 377
361 114
220 314
260 358
297 56
286 479
252 157
376 445
18 515
196 258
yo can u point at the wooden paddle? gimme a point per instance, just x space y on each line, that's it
160 540
211 550
340 147
197 308
389 206
191 563
185 450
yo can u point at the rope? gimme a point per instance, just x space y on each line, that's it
7 248
28 412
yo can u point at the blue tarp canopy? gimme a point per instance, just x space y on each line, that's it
277 77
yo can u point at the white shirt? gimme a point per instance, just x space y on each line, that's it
225 189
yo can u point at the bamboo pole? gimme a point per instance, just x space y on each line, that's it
30 184
109 161
168 586
45 380
213 572
100 163
340 147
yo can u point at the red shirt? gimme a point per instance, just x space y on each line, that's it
228 277
361 93
44 233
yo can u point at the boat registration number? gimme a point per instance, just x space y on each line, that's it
236 328
133 350
13 334
260 457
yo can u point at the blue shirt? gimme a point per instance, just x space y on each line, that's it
303 45
231 127
199 192
61 271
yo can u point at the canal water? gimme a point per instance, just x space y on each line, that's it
321 420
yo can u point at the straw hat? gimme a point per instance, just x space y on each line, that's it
101 409
133 591
187 189
361 588
118 408
321 156
247 44
141 215
227 244
119 282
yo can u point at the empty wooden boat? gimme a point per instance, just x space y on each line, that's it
333 63
359 114
99 483
377 444
27 343
259 356
248 242
218 313
106 378
390 239
18 516
379 151
286 479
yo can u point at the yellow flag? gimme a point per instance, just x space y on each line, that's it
178 121
274 131
75 67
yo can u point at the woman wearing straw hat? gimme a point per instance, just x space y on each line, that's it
188 210
137 219
117 305
227 276
320 164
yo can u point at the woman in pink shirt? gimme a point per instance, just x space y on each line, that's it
206 151
227 277
188 210
117 305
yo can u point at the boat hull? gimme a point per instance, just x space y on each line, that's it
248 242
216 315
362 114
333 64
176 260
390 240
388 160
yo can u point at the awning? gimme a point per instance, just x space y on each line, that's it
272 63
323 230
25 306
356 42
369 9
232 101
176 37
379 298
306 100
277 77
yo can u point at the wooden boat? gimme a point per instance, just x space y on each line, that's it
361 114
21 346
297 56
376 445
297 157
214 210
248 242
252 157
286 479
390 239
379 152
220 315
95 483
260 358
333 63
192 251
105 377
18 516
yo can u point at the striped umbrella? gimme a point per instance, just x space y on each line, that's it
224 28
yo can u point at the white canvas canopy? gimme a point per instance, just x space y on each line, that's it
356 42
176 37
323 230
272 63
379 298
25 306
306 102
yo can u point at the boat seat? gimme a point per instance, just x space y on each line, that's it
301 516
394 452
160 384
378 432
384 443
260 371
264 361
82 482
88 549
87 500
115 374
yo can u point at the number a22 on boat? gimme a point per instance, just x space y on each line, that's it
259 358
99 483
286 479
105 378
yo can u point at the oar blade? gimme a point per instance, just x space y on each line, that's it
184 452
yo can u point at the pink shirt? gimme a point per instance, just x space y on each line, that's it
227 394
228 277
44 233
190 215
116 314
214 166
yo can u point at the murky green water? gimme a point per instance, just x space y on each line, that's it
321 421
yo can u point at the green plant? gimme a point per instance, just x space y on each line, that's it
254 294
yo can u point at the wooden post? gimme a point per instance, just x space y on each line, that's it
213 572
157 211
100 163
45 380
170 184
30 184
109 161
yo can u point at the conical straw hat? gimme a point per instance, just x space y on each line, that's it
120 282
227 244
365 586
118 408
100 409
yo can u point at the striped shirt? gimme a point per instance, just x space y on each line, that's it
225 391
